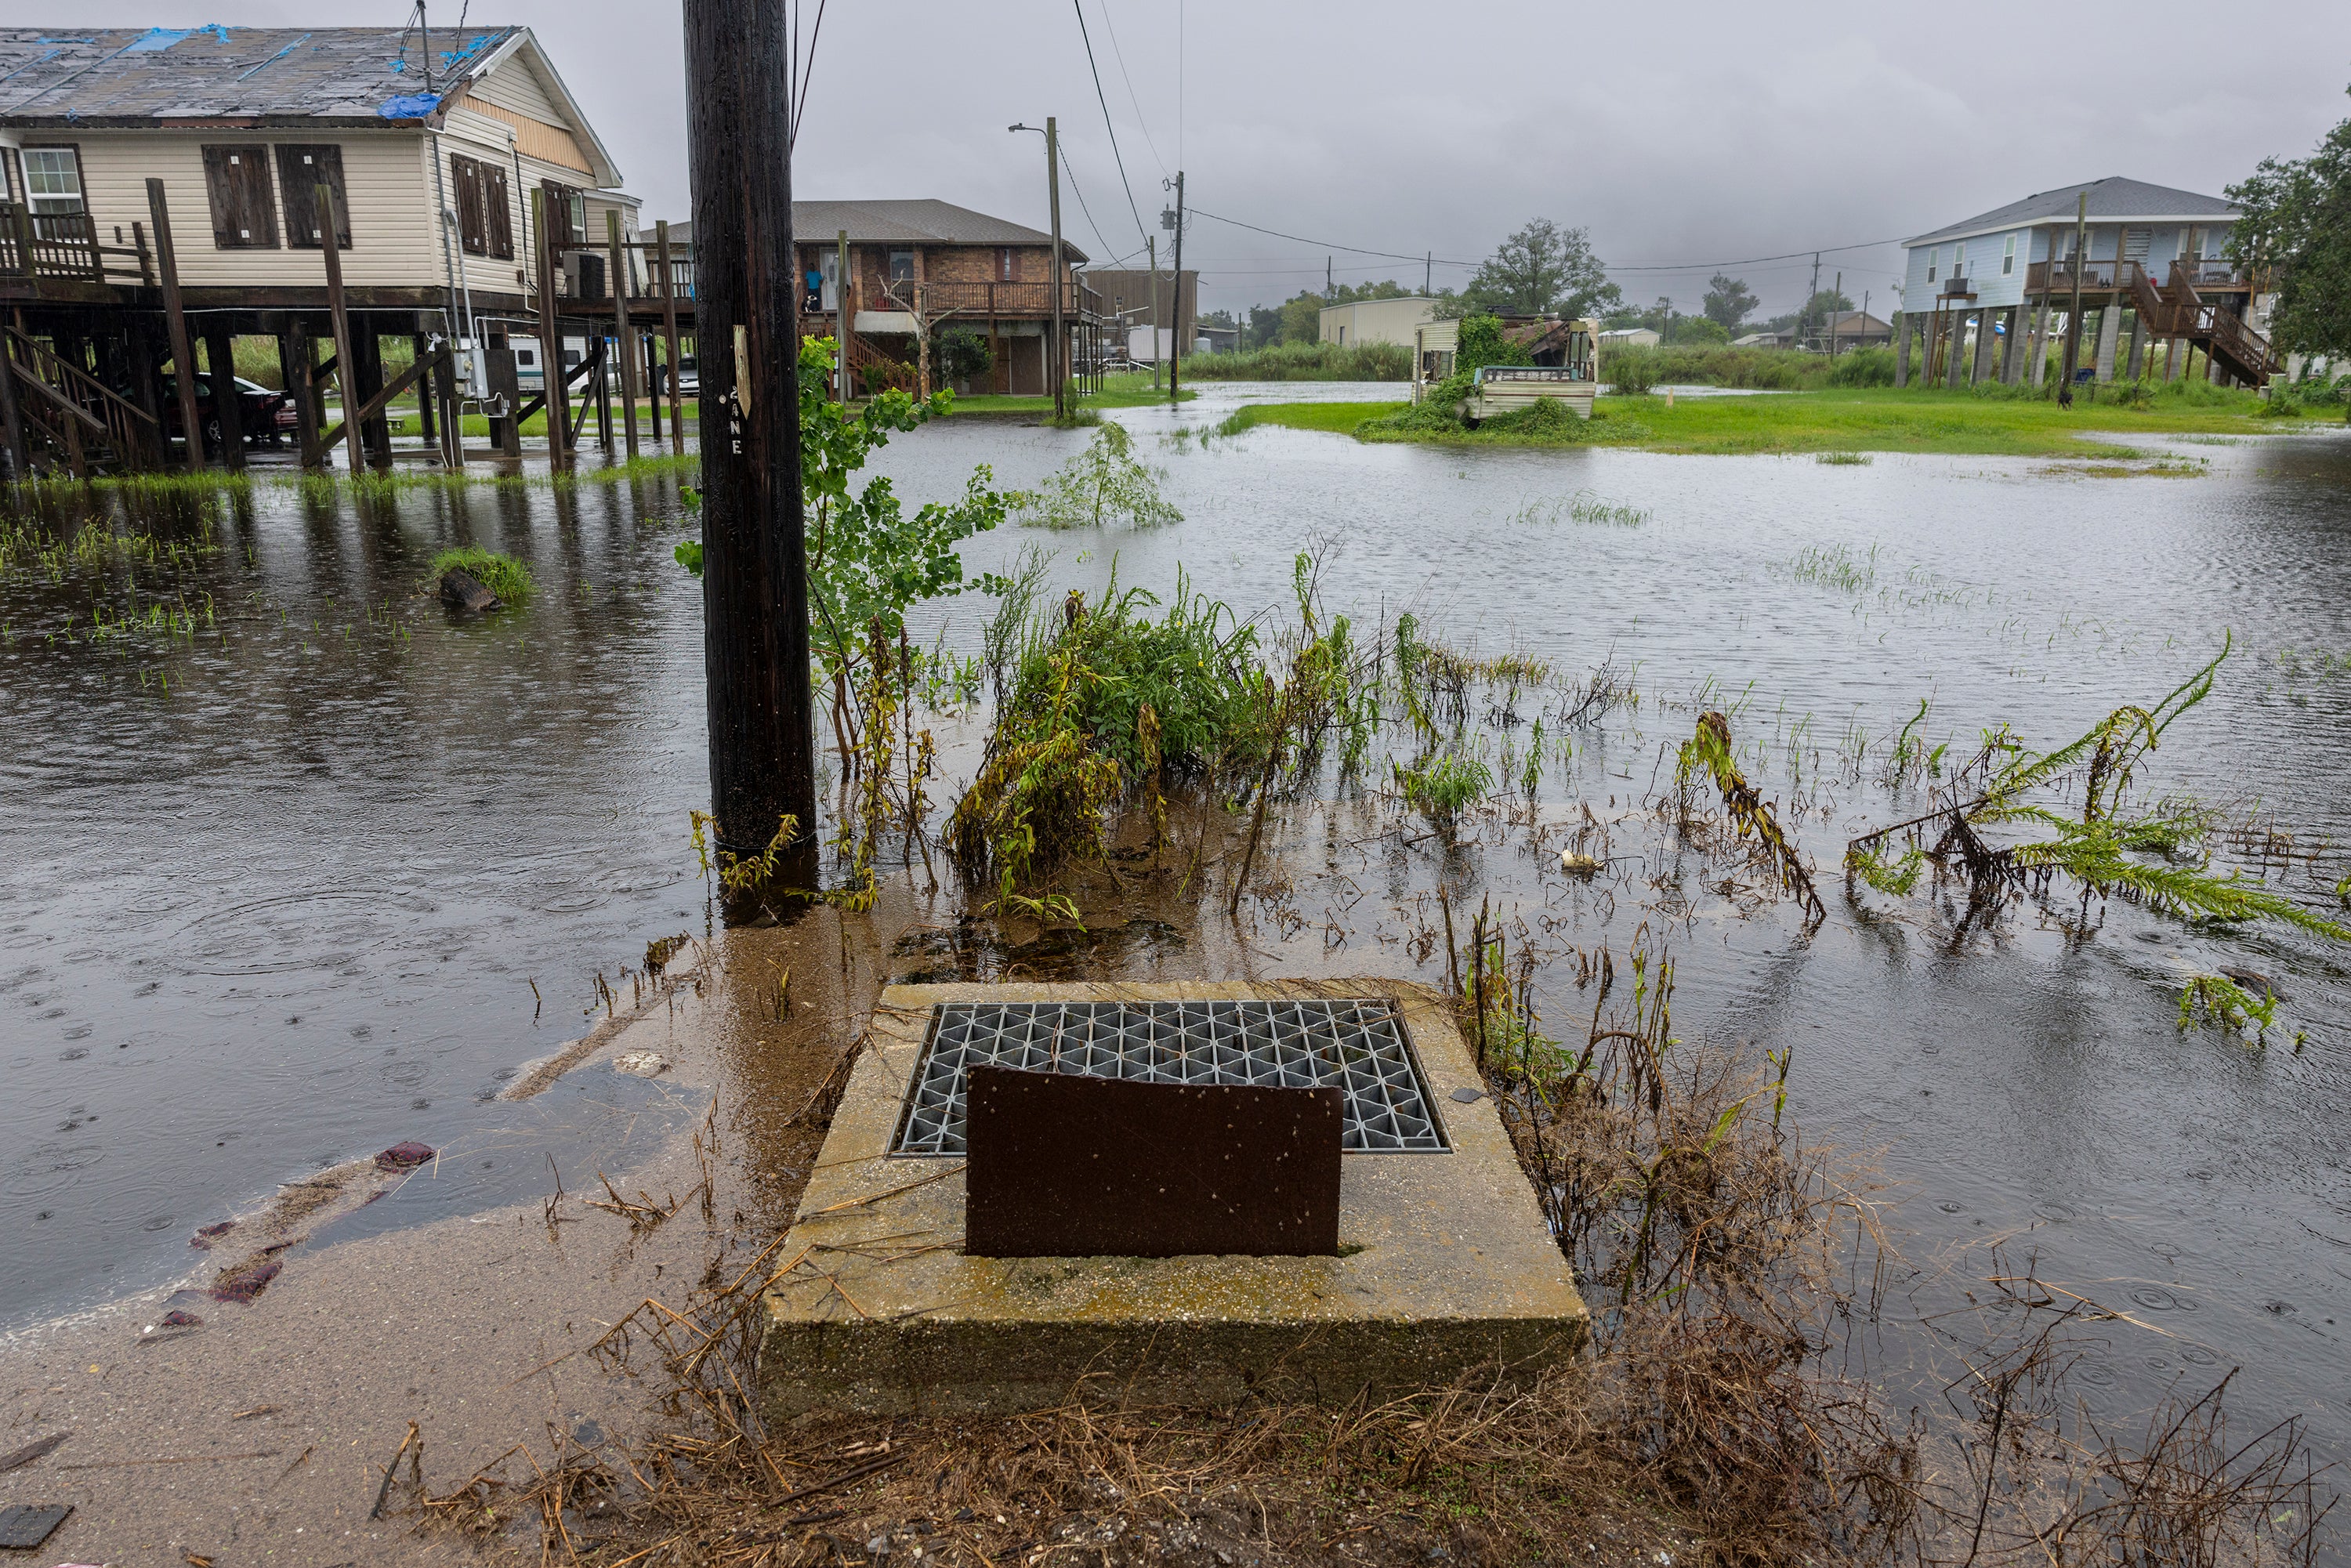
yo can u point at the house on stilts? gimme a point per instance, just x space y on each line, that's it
2130 271
166 192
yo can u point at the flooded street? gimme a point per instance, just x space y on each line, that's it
320 871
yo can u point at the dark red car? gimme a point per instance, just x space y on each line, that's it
265 417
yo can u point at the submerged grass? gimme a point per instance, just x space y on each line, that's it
1829 419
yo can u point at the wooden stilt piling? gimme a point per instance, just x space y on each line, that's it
184 358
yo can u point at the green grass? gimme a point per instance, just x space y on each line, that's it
1341 417
501 574
1871 419
1133 390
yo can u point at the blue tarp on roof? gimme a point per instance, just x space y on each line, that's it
409 106
157 39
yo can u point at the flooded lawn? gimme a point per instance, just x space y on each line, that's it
301 864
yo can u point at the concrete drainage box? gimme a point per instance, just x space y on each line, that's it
1444 1265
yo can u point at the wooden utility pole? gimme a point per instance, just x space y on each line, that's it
220 375
555 390
1061 349
669 337
754 586
1837 288
623 341
2074 310
184 358
1175 348
1151 243
346 367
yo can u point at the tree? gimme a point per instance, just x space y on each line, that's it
1540 270
2296 227
1729 301
1697 329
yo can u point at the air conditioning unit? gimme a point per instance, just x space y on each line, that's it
583 276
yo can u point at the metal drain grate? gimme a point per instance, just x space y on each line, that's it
1358 1046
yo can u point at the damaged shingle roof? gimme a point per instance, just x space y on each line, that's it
129 76
913 223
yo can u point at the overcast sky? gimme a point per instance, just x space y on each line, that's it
1688 133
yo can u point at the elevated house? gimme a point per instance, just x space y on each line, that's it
1980 294
165 184
919 268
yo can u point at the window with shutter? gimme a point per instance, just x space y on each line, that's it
301 169
498 206
237 179
473 223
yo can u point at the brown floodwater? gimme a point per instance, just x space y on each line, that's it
275 889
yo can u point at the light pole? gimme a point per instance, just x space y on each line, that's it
1053 193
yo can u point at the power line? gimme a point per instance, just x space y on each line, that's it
1099 238
1658 267
1119 55
1140 231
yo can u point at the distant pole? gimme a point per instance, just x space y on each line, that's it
669 337
841 307
1053 181
184 358
1429 274
623 343
1804 323
1183 321
1838 289
1151 243
2074 310
1328 282
755 566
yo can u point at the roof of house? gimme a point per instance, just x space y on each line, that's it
2112 199
925 221
922 222
109 77
1853 323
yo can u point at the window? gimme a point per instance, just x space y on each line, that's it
526 357
566 214
244 213
2008 257
1004 263
1934 261
301 169
902 266
53 180
484 220
1959 260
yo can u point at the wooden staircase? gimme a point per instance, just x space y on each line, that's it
71 419
2243 354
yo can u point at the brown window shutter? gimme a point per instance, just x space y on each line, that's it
300 167
465 175
497 205
224 191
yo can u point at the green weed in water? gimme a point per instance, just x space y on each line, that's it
1843 459
501 574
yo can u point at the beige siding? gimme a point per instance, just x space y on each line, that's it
514 85
478 136
394 240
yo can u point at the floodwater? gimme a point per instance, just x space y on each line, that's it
276 893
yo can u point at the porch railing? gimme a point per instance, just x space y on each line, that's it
66 246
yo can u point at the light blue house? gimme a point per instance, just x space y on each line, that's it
1988 287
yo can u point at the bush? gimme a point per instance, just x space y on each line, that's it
1866 367
1631 371
1305 363
965 355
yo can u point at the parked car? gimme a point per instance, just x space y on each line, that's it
689 380
265 417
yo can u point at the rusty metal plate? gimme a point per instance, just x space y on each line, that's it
1064 1166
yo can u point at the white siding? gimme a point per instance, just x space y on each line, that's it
393 240
478 136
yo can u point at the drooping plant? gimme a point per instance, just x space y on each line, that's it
1105 484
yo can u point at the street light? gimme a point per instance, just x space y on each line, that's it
1053 188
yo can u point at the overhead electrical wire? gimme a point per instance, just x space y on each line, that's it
1120 56
1141 233
1071 170
1443 261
